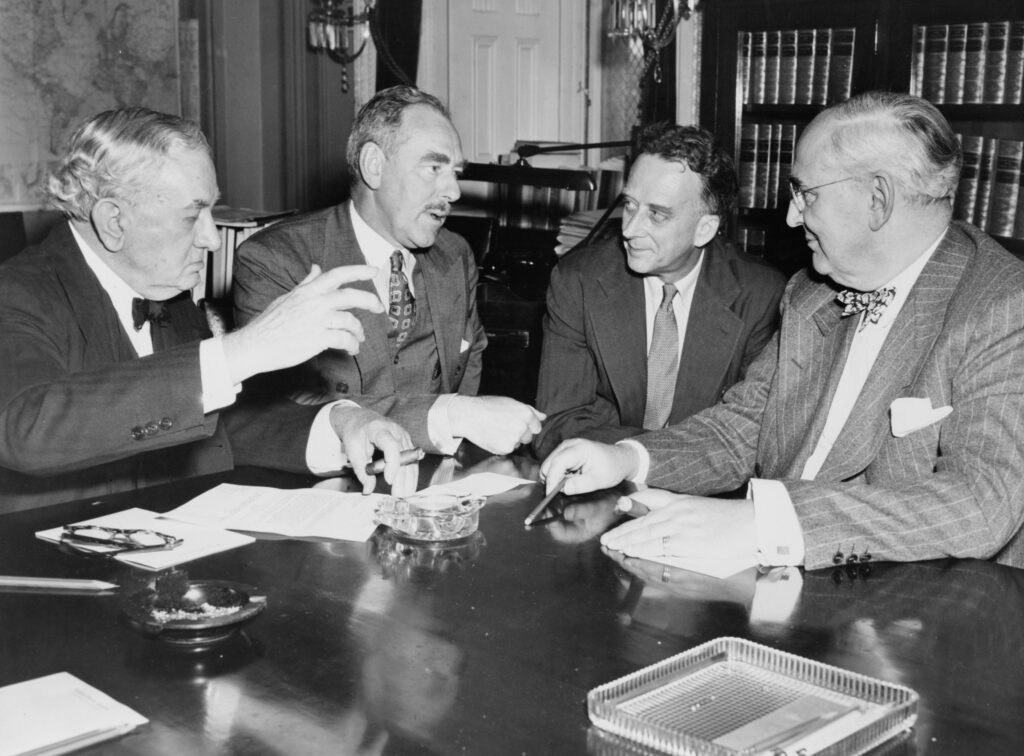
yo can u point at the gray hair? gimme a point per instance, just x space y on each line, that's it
379 120
111 156
907 135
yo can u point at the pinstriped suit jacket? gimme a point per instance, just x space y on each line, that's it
955 488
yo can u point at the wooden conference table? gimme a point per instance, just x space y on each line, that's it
490 647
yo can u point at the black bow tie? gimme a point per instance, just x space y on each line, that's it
873 303
147 309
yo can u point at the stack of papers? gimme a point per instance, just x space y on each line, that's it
196 541
299 513
57 714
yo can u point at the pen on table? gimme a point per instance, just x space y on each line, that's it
59 584
406 457
547 499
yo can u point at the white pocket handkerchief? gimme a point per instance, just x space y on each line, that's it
911 414
463 346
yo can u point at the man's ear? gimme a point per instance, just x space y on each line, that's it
108 221
371 164
883 200
706 229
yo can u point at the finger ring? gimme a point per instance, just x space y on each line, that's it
664 545
664 574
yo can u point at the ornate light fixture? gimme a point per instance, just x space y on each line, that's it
334 28
639 19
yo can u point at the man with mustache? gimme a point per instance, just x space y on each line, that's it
420 364
883 422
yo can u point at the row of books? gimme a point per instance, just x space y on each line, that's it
969 63
796 66
990 185
766 154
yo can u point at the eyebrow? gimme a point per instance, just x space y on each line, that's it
436 157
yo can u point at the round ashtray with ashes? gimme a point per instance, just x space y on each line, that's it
203 613
431 517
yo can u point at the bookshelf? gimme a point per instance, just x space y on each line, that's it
769 68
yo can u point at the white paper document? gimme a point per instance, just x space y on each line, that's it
196 541
57 714
479 484
298 513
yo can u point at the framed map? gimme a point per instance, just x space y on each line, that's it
62 61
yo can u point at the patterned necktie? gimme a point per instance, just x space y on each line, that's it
401 305
147 309
873 303
662 363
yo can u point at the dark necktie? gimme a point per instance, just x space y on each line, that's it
873 303
147 309
662 363
401 305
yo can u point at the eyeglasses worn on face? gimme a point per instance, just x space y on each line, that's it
800 196
116 540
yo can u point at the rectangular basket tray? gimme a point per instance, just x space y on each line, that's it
731 696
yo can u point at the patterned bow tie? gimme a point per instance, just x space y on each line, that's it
147 309
872 303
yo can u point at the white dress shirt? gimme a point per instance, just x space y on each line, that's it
377 252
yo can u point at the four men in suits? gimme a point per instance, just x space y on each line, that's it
602 300
110 377
883 422
420 364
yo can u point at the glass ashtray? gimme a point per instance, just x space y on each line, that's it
431 517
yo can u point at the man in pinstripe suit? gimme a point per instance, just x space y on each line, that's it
886 425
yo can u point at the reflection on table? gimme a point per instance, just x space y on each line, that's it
489 646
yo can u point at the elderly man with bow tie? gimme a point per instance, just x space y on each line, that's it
111 379
886 420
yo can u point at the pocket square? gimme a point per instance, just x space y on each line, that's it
464 346
911 414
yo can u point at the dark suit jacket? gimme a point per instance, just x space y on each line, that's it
953 488
593 372
275 260
74 394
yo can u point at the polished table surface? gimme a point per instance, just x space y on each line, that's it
490 647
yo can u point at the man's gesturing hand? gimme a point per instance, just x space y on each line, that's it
307 320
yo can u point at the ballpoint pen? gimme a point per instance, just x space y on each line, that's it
407 457
547 499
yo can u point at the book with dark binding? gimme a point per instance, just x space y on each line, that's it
995 62
1014 82
804 67
772 48
840 75
786 148
917 65
757 45
974 62
822 63
787 67
967 189
936 38
773 165
956 47
986 179
747 168
1006 187
743 69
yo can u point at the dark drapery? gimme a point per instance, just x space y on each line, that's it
397 36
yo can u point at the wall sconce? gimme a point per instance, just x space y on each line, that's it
335 28
639 19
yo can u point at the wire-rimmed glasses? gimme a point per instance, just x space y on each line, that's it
115 540
803 198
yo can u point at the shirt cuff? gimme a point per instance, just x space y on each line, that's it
218 390
776 593
780 539
324 452
644 460
439 425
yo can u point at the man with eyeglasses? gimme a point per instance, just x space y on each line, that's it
886 420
